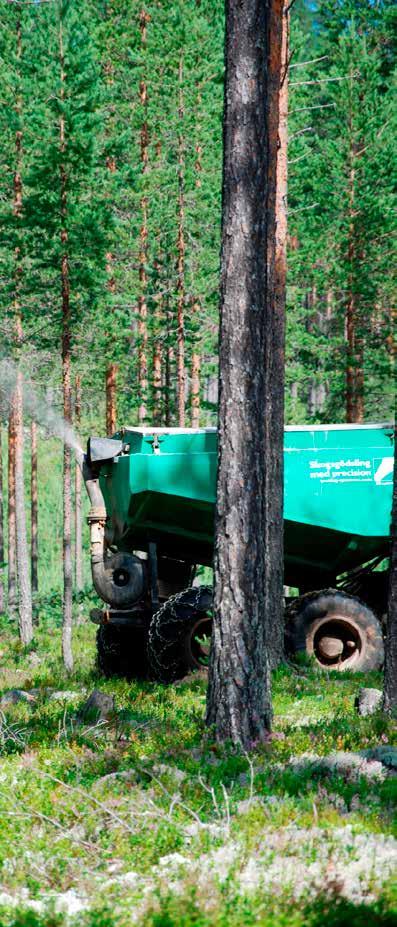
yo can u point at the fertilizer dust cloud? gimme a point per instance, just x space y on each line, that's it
36 405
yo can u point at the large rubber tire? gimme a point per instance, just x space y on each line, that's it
122 651
338 630
175 631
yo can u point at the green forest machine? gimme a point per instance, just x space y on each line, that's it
152 493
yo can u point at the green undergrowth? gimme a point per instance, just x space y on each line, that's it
98 809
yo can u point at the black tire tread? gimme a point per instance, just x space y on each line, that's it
121 651
166 654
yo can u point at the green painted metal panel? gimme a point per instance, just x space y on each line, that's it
337 492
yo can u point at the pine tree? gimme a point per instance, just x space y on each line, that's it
248 591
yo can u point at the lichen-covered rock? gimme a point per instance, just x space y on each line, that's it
385 754
64 696
368 701
13 696
171 772
349 765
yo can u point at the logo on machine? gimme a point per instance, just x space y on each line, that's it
383 471
353 470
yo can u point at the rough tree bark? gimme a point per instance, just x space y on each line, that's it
248 591
34 508
78 541
143 255
390 681
22 557
181 375
66 388
11 539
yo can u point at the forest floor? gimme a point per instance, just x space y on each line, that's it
139 818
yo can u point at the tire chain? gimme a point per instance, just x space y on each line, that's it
176 612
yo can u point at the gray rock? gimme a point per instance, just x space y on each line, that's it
98 707
34 659
172 772
247 804
64 696
13 696
349 765
385 754
126 775
368 701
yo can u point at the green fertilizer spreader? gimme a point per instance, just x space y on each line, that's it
152 493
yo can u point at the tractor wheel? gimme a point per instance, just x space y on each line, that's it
121 651
338 630
179 634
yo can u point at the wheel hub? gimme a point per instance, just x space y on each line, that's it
199 641
336 642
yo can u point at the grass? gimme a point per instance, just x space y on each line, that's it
144 819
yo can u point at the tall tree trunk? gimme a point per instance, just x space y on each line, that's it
66 389
276 293
355 345
143 255
181 376
195 375
78 542
11 543
169 367
196 305
23 564
111 392
248 590
111 370
390 682
22 556
1 525
34 508
157 352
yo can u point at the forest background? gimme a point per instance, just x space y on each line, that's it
111 129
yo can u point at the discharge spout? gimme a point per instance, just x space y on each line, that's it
118 578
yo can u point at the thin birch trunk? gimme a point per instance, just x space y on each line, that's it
11 553
181 376
67 391
34 508
78 542
23 565
22 555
